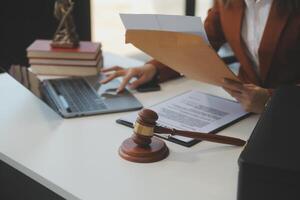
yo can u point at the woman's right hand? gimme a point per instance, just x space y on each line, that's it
143 74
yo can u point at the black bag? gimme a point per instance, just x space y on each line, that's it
269 166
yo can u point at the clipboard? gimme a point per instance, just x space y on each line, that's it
239 114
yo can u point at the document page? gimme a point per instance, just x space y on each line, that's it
175 23
195 111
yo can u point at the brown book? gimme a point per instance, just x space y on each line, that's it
67 70
42 49
65 62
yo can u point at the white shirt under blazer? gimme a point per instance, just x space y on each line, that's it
254 23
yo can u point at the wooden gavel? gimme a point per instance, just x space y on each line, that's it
143 147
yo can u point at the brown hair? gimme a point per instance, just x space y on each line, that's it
290 5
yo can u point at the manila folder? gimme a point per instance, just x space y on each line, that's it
185 53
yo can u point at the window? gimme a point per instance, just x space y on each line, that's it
107 27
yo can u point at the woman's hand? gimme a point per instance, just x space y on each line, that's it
252 97
143 74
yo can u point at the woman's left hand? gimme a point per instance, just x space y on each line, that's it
252 97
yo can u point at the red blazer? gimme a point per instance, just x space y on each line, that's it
279 52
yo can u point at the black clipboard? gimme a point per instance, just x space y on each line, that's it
194 141
180 142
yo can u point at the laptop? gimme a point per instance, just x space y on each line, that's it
85 96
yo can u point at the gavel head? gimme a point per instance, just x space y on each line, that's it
144 127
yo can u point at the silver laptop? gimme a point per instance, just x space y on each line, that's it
76 97
84 96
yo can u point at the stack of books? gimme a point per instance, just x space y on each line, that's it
85 60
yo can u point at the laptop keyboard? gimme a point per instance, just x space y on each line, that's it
78 94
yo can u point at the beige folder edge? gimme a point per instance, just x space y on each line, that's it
186 53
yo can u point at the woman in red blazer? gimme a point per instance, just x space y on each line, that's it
265 38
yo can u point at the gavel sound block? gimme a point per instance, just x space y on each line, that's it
142 147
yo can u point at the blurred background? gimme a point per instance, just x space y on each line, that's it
108 29
23 22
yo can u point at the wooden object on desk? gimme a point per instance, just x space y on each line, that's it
201 136
142 147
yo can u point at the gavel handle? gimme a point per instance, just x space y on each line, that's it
201 136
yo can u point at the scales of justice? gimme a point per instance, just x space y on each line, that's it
65 35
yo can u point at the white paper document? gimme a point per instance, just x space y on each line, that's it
195 111
174 23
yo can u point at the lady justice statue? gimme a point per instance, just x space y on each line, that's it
65 35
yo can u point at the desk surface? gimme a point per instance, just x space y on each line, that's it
78 158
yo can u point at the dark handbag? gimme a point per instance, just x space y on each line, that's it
269 166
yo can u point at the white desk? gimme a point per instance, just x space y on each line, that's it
78 158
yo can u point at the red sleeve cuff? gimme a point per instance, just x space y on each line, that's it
164 72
